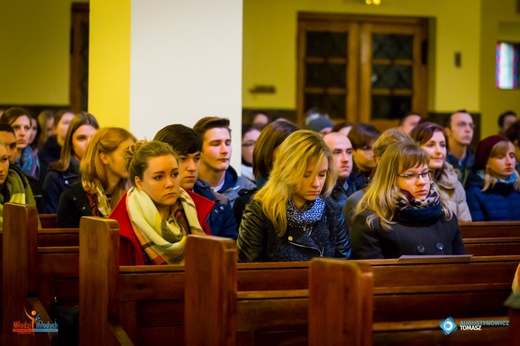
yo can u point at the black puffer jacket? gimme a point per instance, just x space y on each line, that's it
258 242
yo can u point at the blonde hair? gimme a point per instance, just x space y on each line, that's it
388 138
105 140
383 192
300 149
499 149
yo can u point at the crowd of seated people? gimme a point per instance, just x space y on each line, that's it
348 191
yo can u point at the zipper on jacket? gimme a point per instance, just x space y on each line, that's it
307 247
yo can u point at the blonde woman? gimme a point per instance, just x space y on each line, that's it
498 196
104 178
292 218
402 212
156 215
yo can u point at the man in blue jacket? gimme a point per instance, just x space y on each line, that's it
215 165
188 146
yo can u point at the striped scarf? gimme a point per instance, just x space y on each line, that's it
163 241
99 203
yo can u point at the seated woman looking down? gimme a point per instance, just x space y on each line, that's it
104 178
14 186
156 215
292 218
497 196
402 212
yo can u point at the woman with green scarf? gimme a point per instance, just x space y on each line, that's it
14 187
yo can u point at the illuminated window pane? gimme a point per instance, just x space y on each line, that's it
506 76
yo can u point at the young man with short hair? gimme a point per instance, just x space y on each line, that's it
341 150
188 146
363 137
459 130
215 168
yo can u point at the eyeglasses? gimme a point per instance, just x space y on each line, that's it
413 177
248 144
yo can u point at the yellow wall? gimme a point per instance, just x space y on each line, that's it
109 62
34 59
500 21
270 46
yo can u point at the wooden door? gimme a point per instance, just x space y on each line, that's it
328 68
362 68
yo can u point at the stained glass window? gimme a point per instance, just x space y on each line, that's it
506 74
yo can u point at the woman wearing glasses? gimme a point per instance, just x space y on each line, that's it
431 137
402 212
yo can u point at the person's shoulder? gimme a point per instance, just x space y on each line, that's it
254 205
244 183
332 204
356 195
16 170
73 189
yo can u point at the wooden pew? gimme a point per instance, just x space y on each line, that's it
490 229
338 293
19 286
47 220
57 272
410 299
32 273
492 246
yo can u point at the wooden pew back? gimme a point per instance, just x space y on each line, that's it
490 229
148 293
99 283
20 302
47 220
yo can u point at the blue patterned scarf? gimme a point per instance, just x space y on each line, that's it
511 180
29 163
310 213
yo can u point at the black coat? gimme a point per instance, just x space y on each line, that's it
53 186
440 237
50 153
257 240
72 206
